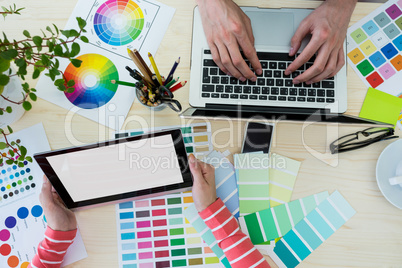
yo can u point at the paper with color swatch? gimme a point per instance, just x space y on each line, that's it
374 46
197 137
113 26
380 106
22 221
154 233
312 231
252 176
282 177
275 222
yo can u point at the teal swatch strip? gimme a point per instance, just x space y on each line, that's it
312 231
275 222
199 225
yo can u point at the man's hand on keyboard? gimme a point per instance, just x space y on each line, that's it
327 25
227 28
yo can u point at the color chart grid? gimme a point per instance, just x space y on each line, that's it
374 48
197 137
15 182
154 233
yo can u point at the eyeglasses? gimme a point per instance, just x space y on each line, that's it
361 139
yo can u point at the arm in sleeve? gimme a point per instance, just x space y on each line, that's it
237 247
52 249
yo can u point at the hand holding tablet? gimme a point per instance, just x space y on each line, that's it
130 168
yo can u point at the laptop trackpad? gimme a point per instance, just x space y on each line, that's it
272 28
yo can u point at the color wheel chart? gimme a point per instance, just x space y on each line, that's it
154 233
374 48
116 25
12 230
92 81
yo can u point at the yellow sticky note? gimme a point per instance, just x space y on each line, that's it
380 106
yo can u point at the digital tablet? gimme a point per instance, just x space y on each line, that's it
124 169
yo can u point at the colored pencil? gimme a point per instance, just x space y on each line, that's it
123 83
158 75
170 76
178 85
140 66
168 85
138 55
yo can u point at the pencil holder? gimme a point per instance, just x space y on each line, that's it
160 107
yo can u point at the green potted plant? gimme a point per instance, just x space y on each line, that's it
31 56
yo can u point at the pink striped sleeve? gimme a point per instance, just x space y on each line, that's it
237 246
52 248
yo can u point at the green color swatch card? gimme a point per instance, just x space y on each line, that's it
380 106
282 177
253 181
275 222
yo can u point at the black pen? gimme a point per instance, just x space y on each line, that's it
134 74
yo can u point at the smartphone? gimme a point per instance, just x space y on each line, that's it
258 137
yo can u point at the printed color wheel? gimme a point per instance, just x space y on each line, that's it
92 81
118 22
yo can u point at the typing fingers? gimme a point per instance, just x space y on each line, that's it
330 67
250 53
226 60
312 47
340 63
216 57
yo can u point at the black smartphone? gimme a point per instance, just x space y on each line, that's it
258 137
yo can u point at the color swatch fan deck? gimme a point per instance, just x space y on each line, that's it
374 48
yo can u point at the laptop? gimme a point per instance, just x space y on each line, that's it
273 95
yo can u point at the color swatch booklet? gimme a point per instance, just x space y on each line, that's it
22 221
113 26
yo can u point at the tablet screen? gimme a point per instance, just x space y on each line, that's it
130 168
119 168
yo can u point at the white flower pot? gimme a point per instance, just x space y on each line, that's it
12 91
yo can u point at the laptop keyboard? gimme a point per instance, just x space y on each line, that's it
272 85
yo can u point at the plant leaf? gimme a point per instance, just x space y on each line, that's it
27 105
84 39
4 79
37 40
32 96
3 145
26 33
76 62
9 54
